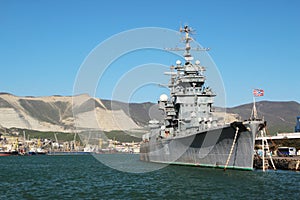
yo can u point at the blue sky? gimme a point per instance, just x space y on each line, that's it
255 44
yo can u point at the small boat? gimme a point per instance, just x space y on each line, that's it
37 151
7 153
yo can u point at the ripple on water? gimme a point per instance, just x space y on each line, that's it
83 177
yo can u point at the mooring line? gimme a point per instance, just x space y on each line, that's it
231 150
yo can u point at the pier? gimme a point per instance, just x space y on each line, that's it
282 163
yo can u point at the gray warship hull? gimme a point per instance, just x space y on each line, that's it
191 133
206 148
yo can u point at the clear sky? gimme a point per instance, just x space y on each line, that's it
254 43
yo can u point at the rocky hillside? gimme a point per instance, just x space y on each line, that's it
60 113
66 113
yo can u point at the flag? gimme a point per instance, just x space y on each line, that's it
258 92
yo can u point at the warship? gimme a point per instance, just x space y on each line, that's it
191 133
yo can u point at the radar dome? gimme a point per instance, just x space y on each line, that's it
178 62
197 62
163 97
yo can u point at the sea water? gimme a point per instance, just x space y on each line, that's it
85 177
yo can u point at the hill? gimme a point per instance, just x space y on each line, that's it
61 113
82 112
280 116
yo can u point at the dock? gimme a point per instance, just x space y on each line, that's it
281 163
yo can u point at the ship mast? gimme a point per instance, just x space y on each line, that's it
187 39
254 111
189 105
256 93
187 54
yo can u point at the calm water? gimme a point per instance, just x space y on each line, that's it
84 177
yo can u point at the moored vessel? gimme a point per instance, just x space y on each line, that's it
5 152
191 133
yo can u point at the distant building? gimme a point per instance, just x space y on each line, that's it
297 127
281 136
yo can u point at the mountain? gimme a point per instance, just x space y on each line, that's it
61 113
82 112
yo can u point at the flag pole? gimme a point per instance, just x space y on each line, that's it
254 111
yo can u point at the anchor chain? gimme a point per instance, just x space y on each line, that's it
232 146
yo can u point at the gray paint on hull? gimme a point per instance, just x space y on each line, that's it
198 150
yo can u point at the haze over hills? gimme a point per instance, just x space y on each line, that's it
82 112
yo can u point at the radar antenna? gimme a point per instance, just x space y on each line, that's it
187 39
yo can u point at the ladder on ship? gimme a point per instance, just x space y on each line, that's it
266 151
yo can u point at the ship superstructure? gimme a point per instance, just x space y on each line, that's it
190 105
